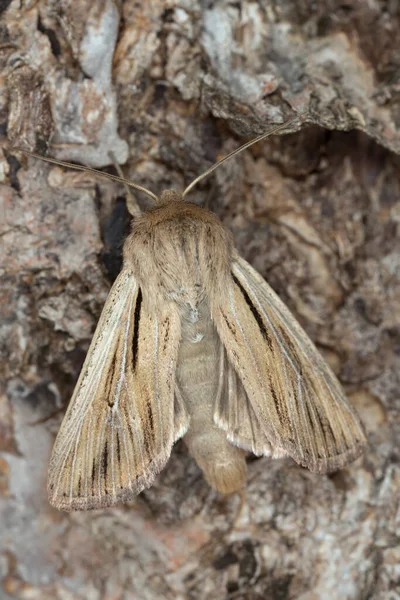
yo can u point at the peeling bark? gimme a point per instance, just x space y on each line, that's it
169 88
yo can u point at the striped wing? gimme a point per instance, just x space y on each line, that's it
234 413
293 396
120 425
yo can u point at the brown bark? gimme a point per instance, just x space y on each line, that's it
169 88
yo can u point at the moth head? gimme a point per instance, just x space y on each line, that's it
170 196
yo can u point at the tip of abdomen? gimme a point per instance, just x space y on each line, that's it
227 477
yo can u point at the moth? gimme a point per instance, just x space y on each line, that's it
193 343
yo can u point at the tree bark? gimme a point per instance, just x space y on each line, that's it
169 88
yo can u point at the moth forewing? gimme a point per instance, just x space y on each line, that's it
118 431
234 414
70 458
293 395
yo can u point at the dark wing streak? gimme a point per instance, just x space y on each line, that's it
315 422
76 418
288 385
122 422
74 461
299 408
302 403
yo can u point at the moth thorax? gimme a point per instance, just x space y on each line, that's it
180 252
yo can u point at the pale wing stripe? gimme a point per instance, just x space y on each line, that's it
118 391
273 300
125 442
260 380
283 353
303 342
275 307
219 399
139 438
86 402
232 393
73 463
85 393
112 431
293 408
95 366
251 415
86 397
88 446
301 403
100 445
234 414
221 375
121 377
120 382
262 311
99 353
156 371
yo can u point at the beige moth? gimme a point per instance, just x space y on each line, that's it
193 343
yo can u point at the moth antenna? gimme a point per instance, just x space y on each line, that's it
234 152
62 163
132 203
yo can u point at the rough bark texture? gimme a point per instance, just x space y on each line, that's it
169 87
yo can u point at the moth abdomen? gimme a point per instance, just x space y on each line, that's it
224 467
199 381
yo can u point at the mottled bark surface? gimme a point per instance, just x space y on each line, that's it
169 88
